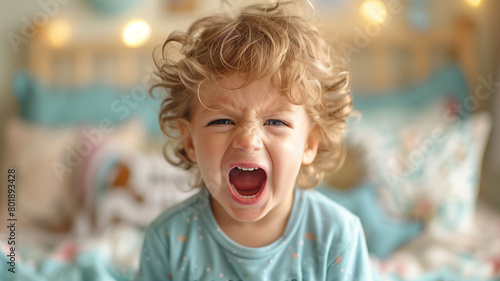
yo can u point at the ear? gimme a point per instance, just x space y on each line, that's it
187 139
311 147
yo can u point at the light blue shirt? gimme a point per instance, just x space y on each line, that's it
322 241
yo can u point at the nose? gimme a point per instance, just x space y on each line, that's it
247 141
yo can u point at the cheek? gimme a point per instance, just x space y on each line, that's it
209 152
288 158
205 145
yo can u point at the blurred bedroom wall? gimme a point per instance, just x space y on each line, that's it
87 24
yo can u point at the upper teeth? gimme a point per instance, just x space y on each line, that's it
247 169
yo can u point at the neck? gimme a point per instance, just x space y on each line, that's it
258 233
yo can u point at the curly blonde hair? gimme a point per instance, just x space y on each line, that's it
262 41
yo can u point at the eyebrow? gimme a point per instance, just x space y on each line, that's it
231 111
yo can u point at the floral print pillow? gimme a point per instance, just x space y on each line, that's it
434 177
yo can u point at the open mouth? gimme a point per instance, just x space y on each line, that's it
247 182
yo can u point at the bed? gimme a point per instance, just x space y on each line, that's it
87 150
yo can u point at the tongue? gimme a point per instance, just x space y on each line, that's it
247 183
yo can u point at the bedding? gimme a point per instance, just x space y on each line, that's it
452 242
415 139
109 256
428 259
422 149
89 227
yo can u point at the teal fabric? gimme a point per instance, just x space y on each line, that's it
383 233
438 275
385 114
322 241
88 266
85 105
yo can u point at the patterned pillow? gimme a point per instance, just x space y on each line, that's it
436 180
396 130
423 152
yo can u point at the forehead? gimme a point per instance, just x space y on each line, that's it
232 93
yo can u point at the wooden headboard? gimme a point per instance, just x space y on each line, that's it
373 66
418 54
90 62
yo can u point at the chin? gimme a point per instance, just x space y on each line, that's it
248 215
244 213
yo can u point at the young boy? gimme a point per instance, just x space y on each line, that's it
255 107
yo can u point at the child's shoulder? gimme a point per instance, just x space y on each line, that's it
182 211
319 203
324 213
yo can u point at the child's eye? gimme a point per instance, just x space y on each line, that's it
221 122
275 122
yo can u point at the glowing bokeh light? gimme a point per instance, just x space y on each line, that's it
58 33
136 33
374 10
473 3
